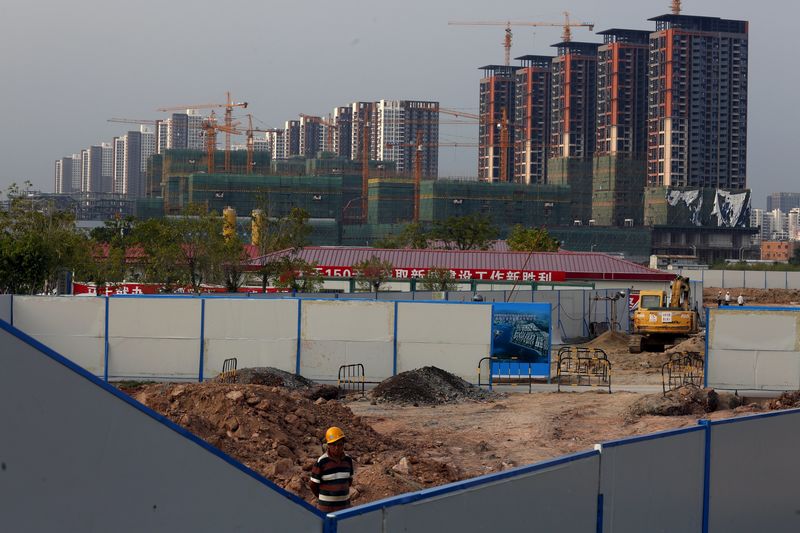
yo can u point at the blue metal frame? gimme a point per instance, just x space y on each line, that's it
394 341
202 337
705 359
461 485
650 436
600 513
156 416
706 472
105 347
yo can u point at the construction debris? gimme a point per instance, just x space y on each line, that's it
683 401
428 386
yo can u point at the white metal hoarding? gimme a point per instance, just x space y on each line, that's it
74 327
84 457
336 333
154 338
453 337
653 482
257 332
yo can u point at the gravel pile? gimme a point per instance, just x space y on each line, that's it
272 377
428 386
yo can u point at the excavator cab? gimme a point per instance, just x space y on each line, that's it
660 321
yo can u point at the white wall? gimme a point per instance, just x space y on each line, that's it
154 338
77 456
258 332
5 307
753 349
74 327
452 337
336 333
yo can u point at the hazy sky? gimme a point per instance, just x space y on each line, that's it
66 67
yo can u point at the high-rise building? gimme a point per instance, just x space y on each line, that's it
793 223
620 159
178 131
343 132
785 201
131 155
276 144
697 98
195 138
92 169
63 175
118 173
311 133
291 139
532 119
574 123
400 126
363 125
496 123
757 220
76 172
107 168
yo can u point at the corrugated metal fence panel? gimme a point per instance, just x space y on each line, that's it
256 331
776 280
154 338
557 496
84 457
573 308
73 326
793 280
653 483
753 474
713 278
753 348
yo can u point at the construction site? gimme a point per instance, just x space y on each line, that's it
431 407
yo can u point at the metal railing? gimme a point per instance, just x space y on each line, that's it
583 367
229 370
509 377
351 379
682 369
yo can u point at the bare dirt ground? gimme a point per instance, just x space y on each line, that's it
431 428
754 296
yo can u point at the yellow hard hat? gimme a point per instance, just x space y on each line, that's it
333 434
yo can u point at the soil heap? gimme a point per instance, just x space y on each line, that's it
787 400
428 386
610 341
683 401
278 433
274 377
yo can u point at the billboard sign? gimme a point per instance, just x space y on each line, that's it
459 274
521 337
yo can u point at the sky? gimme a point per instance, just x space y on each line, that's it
67 67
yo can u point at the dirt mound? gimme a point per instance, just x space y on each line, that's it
683 401
427 386
278 433
610 341
787 400
696 343
272 377
754 296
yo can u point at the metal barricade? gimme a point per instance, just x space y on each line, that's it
229 370
516 372
583 367
351 379
682 369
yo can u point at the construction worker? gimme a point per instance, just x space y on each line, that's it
719 299
332 474
727 297
740 300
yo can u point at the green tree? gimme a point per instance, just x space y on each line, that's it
290 233
523 239
109 246
471 232
439 279
37 244
157 238
371 273
296 274
413 235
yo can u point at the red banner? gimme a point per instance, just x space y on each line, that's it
153 288
458 274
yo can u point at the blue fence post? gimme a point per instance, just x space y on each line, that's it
394 349
706 472
705 359
299 319
786 279
11 317
765 280
202 336
105 347
600 513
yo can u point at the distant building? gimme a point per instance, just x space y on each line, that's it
778 251
496 126
785 201
697 116
343 134
63 175
364 122
400 124
291 136
532 118
310 140
276 144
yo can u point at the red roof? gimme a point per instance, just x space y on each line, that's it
576 265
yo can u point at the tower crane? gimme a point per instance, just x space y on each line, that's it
149 122
418 148
502 125
251 140
228 126
566 34
210 129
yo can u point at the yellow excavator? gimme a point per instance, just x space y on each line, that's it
659 322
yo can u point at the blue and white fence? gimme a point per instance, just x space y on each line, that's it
83 441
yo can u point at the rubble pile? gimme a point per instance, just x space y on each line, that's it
428 386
